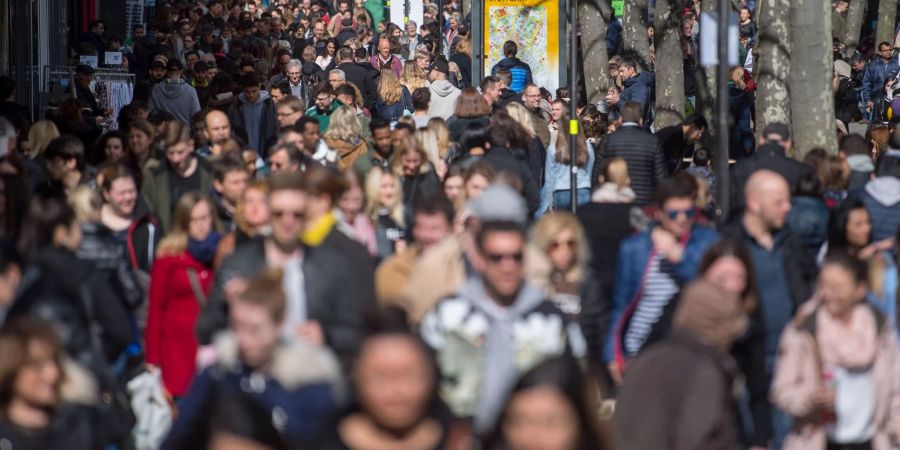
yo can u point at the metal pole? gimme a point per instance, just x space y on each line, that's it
722 170
573 102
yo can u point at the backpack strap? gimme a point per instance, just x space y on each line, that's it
195 286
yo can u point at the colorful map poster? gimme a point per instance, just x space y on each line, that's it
534 26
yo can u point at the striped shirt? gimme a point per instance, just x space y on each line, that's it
658 289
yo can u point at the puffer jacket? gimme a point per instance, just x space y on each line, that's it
521 72
646 163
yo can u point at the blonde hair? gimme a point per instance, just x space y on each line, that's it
86 203
40 135
389 88
442 133
615 170
411 77
521 115
344 125
464 46
549 226
176 241
737 77
373 185
427 141
403 147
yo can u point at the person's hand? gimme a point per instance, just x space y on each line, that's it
666 244
875 247
312 332
824 399
612 96
615 373
869 106
400 246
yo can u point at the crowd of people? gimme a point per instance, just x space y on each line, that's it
313 230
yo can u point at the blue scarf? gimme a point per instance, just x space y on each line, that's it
204 251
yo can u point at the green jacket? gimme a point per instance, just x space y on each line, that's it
324 119
364 163
156 195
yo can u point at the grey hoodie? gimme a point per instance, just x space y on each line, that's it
443 99
882 199
177 98
252 113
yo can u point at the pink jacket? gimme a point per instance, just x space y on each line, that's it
797 378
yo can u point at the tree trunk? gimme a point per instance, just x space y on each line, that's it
706 88
773 100
853 25
634 33
594 16
887 14
669 63
812 95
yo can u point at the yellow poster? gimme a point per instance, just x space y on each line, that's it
534 26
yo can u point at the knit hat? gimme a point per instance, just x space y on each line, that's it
712 314
499 203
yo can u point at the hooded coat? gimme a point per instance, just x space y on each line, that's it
258 119
177 98
882 198
443 99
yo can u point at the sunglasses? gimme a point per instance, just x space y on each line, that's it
297 215
570 244
497 258
674 213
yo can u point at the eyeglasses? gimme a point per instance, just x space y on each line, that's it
569 244
674 213
497 258
322 99
297 215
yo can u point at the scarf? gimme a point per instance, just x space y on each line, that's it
611 193
710 313
851 344
500 349
204 251
319 230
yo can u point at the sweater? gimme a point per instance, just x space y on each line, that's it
176 98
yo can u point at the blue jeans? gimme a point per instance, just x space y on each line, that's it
562 199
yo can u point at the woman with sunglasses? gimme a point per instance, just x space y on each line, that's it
566 277
652 267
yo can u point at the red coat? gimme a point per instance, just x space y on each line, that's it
170 337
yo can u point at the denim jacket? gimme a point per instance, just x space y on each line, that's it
634 256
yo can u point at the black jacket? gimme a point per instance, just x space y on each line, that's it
505 160
363 79
79 300
458 125
465 68
268 126
641 151
109 256
673 146
606 226
769 157
846 102
329 294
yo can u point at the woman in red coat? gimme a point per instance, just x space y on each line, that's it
180 282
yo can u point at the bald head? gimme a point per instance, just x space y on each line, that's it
768 198
218 127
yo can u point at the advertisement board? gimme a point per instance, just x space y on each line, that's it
535 26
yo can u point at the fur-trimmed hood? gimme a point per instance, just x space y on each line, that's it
294 363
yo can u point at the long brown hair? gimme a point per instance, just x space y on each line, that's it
471 104
177 240
16 339
562 146
731 247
